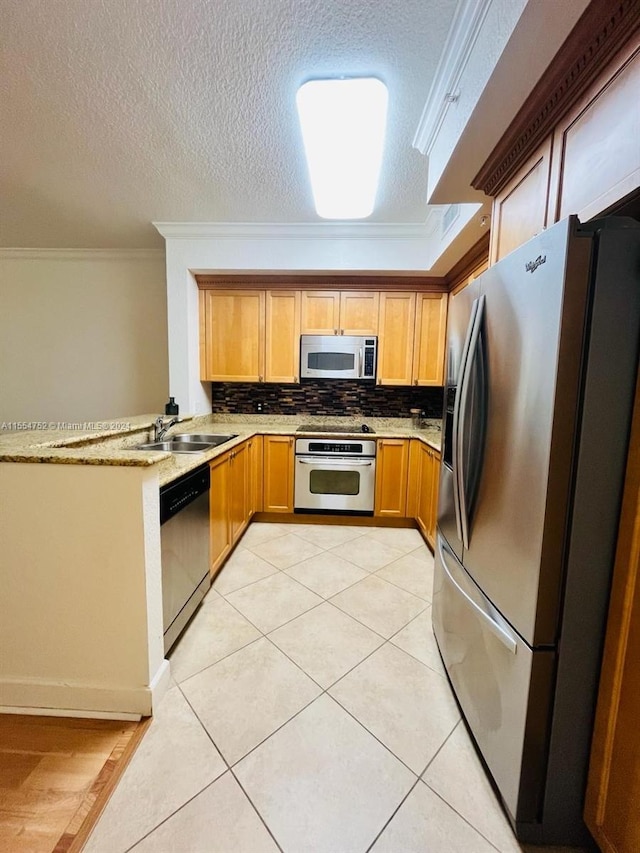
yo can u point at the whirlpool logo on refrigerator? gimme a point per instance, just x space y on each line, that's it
532 266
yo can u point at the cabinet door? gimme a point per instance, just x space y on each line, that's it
596 154
429 344
613 791
395 344
255 474
433 504
423 492
234 335
392 468
520 211
278 473
425 489
359 313
320 312
220 530
282 338
239 513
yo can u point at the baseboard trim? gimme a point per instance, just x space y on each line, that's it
80 700
350 520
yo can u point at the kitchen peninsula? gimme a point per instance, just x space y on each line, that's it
81 608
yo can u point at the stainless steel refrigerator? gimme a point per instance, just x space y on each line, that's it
542 364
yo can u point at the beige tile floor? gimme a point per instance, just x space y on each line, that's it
309 712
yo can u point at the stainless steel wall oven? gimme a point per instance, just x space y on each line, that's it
335 475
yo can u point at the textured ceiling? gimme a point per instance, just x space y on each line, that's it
116 113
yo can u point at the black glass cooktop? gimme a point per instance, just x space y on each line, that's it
329 428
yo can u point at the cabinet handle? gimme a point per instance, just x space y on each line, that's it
295 378
335 331
379 381
342 331
415 381
260 379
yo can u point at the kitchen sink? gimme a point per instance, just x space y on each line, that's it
213 439
187 443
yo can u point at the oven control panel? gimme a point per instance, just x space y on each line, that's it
328 447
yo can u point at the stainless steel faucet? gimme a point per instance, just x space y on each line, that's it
160 429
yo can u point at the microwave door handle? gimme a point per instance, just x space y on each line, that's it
360 361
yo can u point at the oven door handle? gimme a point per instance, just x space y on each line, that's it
320 460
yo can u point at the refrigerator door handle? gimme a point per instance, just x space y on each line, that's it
455 434
475 600
474 352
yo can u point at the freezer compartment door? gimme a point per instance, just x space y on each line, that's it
503 687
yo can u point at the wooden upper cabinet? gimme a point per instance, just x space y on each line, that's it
336 312
233 326
282 336
596 147
573 147
520 210
429 342
250 335
359 312
320 312
396 336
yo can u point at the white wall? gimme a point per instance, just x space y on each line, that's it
81 592
83 334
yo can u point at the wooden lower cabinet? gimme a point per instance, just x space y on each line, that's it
255 474
424 477
230 501
239 491
220 529
278 473
612 805
392 467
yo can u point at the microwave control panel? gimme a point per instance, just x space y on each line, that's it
369 357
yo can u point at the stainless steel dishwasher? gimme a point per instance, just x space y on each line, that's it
184 536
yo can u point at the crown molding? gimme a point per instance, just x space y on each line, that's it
477 255
461 39
81 254
603 30
292 230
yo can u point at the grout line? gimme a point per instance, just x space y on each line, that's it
186 803
393 814
206 731
255 808
249 583
438 750
463 818
374 736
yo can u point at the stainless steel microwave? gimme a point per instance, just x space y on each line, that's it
338 356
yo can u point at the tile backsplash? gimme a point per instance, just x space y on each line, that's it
343 397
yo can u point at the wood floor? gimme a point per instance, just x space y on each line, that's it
56 775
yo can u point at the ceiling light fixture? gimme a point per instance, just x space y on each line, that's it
343 124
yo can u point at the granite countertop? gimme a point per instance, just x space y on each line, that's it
112 442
